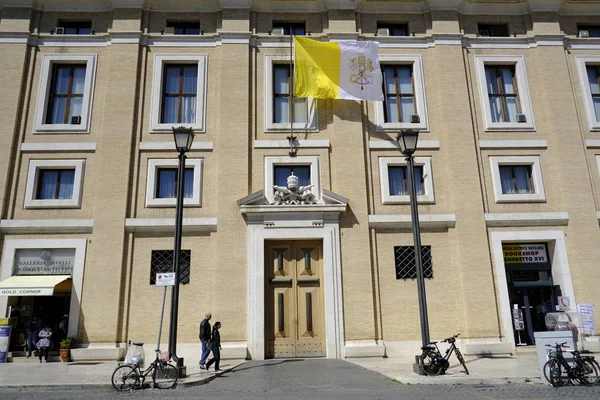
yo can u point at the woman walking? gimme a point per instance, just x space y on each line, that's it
215 345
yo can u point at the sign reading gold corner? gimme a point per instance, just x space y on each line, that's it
32 285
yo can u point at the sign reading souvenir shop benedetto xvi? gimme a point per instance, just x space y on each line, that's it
44 262
524 253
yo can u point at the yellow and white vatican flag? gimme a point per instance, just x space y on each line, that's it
346 70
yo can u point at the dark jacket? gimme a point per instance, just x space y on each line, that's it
204 330
215 341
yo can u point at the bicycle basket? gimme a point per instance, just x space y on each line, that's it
164 356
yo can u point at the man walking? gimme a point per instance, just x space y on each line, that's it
204 338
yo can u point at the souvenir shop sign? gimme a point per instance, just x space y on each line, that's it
517 253
44 262
4 342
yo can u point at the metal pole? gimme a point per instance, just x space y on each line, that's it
162 316
418 262
176 260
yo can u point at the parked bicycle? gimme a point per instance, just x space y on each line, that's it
559 372
432 361
130 376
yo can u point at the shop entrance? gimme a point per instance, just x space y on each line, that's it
294 309
531 290
51 310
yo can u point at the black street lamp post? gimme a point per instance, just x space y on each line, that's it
183 142
407 140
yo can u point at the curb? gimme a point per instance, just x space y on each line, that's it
433 380
185 382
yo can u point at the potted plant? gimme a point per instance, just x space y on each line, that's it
65 348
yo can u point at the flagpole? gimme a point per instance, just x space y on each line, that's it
291 138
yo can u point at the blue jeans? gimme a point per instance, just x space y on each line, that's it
31 341
205 352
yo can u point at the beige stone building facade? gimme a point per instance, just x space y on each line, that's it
508 164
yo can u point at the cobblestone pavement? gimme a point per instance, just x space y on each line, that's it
317 379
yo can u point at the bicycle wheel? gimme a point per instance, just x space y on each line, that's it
165 376
430 367
547 371
461 359
558 374
125 378
587 373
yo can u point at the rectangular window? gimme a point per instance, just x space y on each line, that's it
399 93
184 28
394 29
398 180
66 94
589 30
161 185
179 94
76 27
55 184
281 97
281 173
406 264
516 179
162 261
593 73
502 93
166 183
296 28
492 30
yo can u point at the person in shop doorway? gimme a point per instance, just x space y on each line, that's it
32 334
62 327
204 338
214 344
44 343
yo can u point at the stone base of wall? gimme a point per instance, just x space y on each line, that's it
364 348
483 346
189 351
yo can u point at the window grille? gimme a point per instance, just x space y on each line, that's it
162 261
405 262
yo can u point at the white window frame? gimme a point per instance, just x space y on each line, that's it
582 64
419 85
155 164
315 174
522 86
157 86
48 62
270 126
32 183
427 197
536 175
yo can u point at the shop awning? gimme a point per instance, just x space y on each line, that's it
31 285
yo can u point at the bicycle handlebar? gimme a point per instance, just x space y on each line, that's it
454 337
563 344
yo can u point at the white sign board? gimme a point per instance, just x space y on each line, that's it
518 319
516 253
165 279
587 319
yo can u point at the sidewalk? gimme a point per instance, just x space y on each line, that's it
483 370
77 375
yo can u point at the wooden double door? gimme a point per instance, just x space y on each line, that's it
294 309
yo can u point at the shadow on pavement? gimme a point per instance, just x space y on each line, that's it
263 364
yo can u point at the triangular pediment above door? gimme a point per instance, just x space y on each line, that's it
258 202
